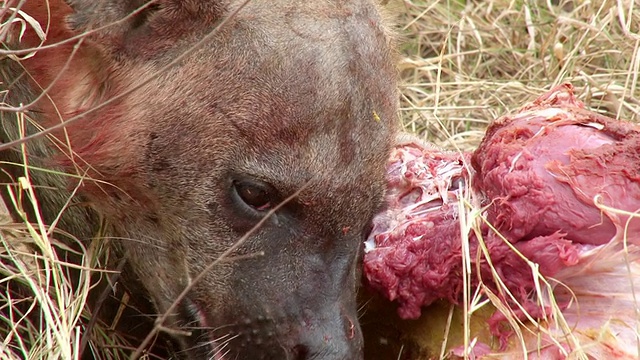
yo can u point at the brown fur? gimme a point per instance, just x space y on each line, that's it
287 93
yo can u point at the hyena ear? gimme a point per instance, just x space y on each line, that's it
118 25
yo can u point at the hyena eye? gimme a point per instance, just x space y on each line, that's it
258 195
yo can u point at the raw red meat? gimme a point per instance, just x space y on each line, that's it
413 251
547 178
545 167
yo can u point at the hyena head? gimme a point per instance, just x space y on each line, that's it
201 119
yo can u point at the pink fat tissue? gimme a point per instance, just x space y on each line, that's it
559 183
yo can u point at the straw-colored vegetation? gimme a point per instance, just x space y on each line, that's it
467 62
463 64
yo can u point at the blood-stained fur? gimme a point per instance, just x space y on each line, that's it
188 121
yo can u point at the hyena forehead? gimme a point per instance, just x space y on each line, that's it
333 77
275 84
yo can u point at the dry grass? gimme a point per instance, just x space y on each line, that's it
468 62
45 280
464 63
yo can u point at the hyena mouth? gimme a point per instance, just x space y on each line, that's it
201 342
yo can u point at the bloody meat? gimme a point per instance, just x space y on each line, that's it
545 178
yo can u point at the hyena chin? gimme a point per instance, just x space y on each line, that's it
191 122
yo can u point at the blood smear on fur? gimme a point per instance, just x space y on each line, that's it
547 178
